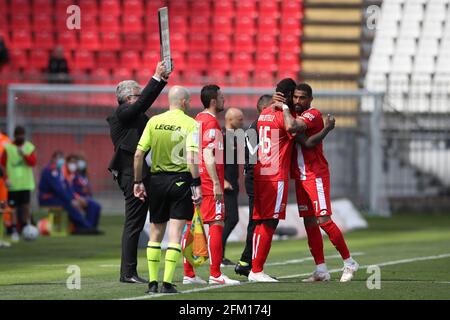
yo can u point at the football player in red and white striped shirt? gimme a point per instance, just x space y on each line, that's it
271 178
309 169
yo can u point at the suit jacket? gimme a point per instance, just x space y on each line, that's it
126 126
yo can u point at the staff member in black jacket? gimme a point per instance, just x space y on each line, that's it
244 265
126 126
234 119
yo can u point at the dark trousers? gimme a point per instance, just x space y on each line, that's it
231 215
247 253
135 215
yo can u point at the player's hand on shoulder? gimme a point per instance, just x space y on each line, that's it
330 122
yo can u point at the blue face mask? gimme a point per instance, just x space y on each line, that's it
60 163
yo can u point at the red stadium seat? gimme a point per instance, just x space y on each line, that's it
290 43
223 8
151 24
222 25
84 59
199 24
43 22
220 61
221 42
88 7
39 58
242 61
245 24
197 61
144 75
150 59
68 39
89 40
265 61
288 73
121 74
101 76
61 6
263 78
199 42
20 22
24 5
202 7
291 26
288 60
89 23
268 8
291 9
178 42
107 60
152 41
133 7
110 7
21 40
19 58
42 7
267 43
216 76
109 23
130 59
44 40
177 7
246 8
243 43
268 25
4 7
152 6
111 41
132 23
178 61
133 41
178 24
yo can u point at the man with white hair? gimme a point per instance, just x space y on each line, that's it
127 124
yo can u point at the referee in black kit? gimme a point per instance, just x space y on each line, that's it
126 126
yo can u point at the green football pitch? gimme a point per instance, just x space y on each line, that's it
412 252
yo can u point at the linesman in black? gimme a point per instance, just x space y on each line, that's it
127 124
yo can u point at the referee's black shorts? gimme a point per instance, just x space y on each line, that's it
170 196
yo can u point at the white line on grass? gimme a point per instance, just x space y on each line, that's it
388 263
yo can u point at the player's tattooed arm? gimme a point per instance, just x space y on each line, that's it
291 124
312 141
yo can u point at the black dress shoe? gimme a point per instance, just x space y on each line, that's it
133 279
152 287
168 288
242 270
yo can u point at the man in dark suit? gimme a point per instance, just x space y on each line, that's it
126 126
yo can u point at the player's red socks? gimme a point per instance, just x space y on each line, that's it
188 269
262 241
215 249
336 238
315 243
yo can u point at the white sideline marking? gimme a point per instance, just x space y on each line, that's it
356 254
388 263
